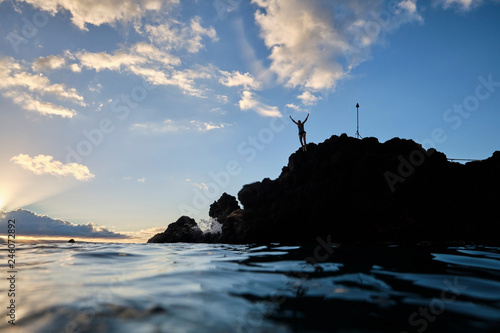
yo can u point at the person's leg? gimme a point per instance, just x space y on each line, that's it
305 143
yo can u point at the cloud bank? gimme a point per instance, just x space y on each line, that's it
32 224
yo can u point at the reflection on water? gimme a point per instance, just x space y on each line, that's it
85 287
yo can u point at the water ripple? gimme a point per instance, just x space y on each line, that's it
89 287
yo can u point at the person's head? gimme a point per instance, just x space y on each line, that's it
299 122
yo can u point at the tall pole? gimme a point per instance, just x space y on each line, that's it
357 121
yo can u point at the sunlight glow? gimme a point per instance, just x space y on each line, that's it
19 189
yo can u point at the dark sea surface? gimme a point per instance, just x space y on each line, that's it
88 287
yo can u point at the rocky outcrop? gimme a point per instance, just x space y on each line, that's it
364 190
184 230
221 208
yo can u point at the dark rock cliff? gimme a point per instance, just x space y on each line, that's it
363 190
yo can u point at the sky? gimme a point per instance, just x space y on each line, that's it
118 117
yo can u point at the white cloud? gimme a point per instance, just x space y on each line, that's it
295 107
45 164
102 60
173 34
185 80
49 63
464 5
236 79
222 99
41 225
201 186
218 110
170 126
95 88
248 102
14 75
315 43
410 6
26 89
75 68
151 63
204 126
248 99
139 180
85 12
158 128
308 99
31 103
127 58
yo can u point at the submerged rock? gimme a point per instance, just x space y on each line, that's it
364 190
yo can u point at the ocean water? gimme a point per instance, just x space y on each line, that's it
88 287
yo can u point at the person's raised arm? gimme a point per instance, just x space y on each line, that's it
306 118
293 120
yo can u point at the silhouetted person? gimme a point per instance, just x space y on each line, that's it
302 133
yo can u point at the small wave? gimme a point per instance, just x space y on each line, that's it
210 226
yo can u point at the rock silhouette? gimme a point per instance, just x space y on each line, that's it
221 208
185 230
360 190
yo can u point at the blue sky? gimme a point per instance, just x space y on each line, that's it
129 114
